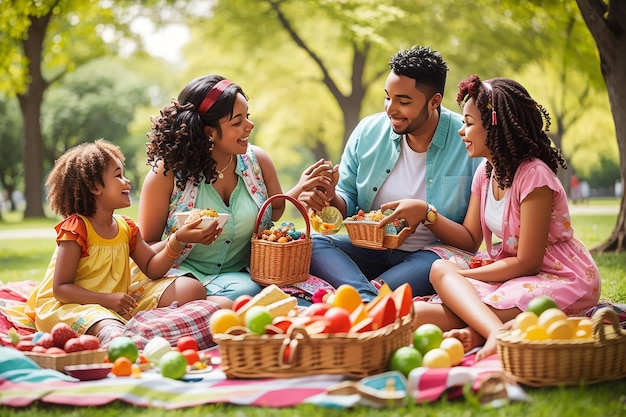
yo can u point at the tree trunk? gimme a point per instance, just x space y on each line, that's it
609 33
30 104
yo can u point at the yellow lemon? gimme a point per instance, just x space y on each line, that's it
560 330
222 320
534 332
550 316
436 358
584 328
455 350
524 319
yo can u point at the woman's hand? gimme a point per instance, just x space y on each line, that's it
317 184
411 210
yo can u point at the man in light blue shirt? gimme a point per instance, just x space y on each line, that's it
412 150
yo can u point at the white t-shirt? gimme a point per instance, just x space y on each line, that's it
407 180
494 212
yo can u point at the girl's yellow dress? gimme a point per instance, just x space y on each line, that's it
104 267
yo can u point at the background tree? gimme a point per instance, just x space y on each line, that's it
11 167
606 20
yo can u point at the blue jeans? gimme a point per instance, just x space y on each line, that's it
336 260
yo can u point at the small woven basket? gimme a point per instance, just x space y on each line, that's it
281 263
59 362
567 362
367 234
297 353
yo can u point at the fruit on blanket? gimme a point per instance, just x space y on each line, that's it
156 348
257 318
74 345
123 346
426 337
122 366
25 345
45 341
405 359
222 320
191 356
437 358
90 341
455 350
187 342
173 365
540 304
61 333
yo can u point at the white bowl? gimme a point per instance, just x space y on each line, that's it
181 217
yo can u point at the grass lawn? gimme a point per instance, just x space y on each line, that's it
27 259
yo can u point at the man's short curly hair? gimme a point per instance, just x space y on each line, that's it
76 173
425 66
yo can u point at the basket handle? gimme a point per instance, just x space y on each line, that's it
295 202
289 349
598 318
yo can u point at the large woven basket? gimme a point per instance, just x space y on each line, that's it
367 234
281 263
567 362
299 354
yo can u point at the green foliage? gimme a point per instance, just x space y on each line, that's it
605 173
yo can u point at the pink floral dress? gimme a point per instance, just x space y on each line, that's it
569 274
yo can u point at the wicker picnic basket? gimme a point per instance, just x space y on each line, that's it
367 234
281 263
60 361
567 362
298 353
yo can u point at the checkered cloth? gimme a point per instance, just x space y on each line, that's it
172 323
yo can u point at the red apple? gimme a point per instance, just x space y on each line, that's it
241 301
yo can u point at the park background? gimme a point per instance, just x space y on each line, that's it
312 69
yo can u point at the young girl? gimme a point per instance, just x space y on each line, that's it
516 197
87 284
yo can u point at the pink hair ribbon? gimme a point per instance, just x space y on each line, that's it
212 96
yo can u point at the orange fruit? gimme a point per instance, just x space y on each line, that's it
187 342
122 367
346 296
222 320
191 355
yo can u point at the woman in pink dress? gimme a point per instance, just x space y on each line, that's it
519 208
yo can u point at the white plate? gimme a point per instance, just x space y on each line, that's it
181 217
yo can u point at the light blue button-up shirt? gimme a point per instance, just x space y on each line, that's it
374 148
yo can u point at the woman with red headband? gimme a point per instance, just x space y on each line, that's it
201 158
519 208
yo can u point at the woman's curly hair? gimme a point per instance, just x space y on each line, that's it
519 134
76 173
177 137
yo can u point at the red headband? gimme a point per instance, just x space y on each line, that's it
212 96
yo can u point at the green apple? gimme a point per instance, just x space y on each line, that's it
173 365
257 318
405 359
426 337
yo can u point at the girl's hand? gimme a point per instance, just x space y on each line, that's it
318 184
191 233
119 302
413 211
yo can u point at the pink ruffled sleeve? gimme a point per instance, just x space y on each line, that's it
535 174
73 229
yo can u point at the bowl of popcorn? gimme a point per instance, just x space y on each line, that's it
208 216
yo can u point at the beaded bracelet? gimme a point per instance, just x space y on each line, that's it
168 250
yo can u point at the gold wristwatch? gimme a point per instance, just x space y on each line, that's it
431 215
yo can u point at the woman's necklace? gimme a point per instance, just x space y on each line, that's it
220 172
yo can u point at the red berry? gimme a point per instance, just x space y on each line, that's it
74 345
61 333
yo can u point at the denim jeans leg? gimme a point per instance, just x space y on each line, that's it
331 263
411 267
